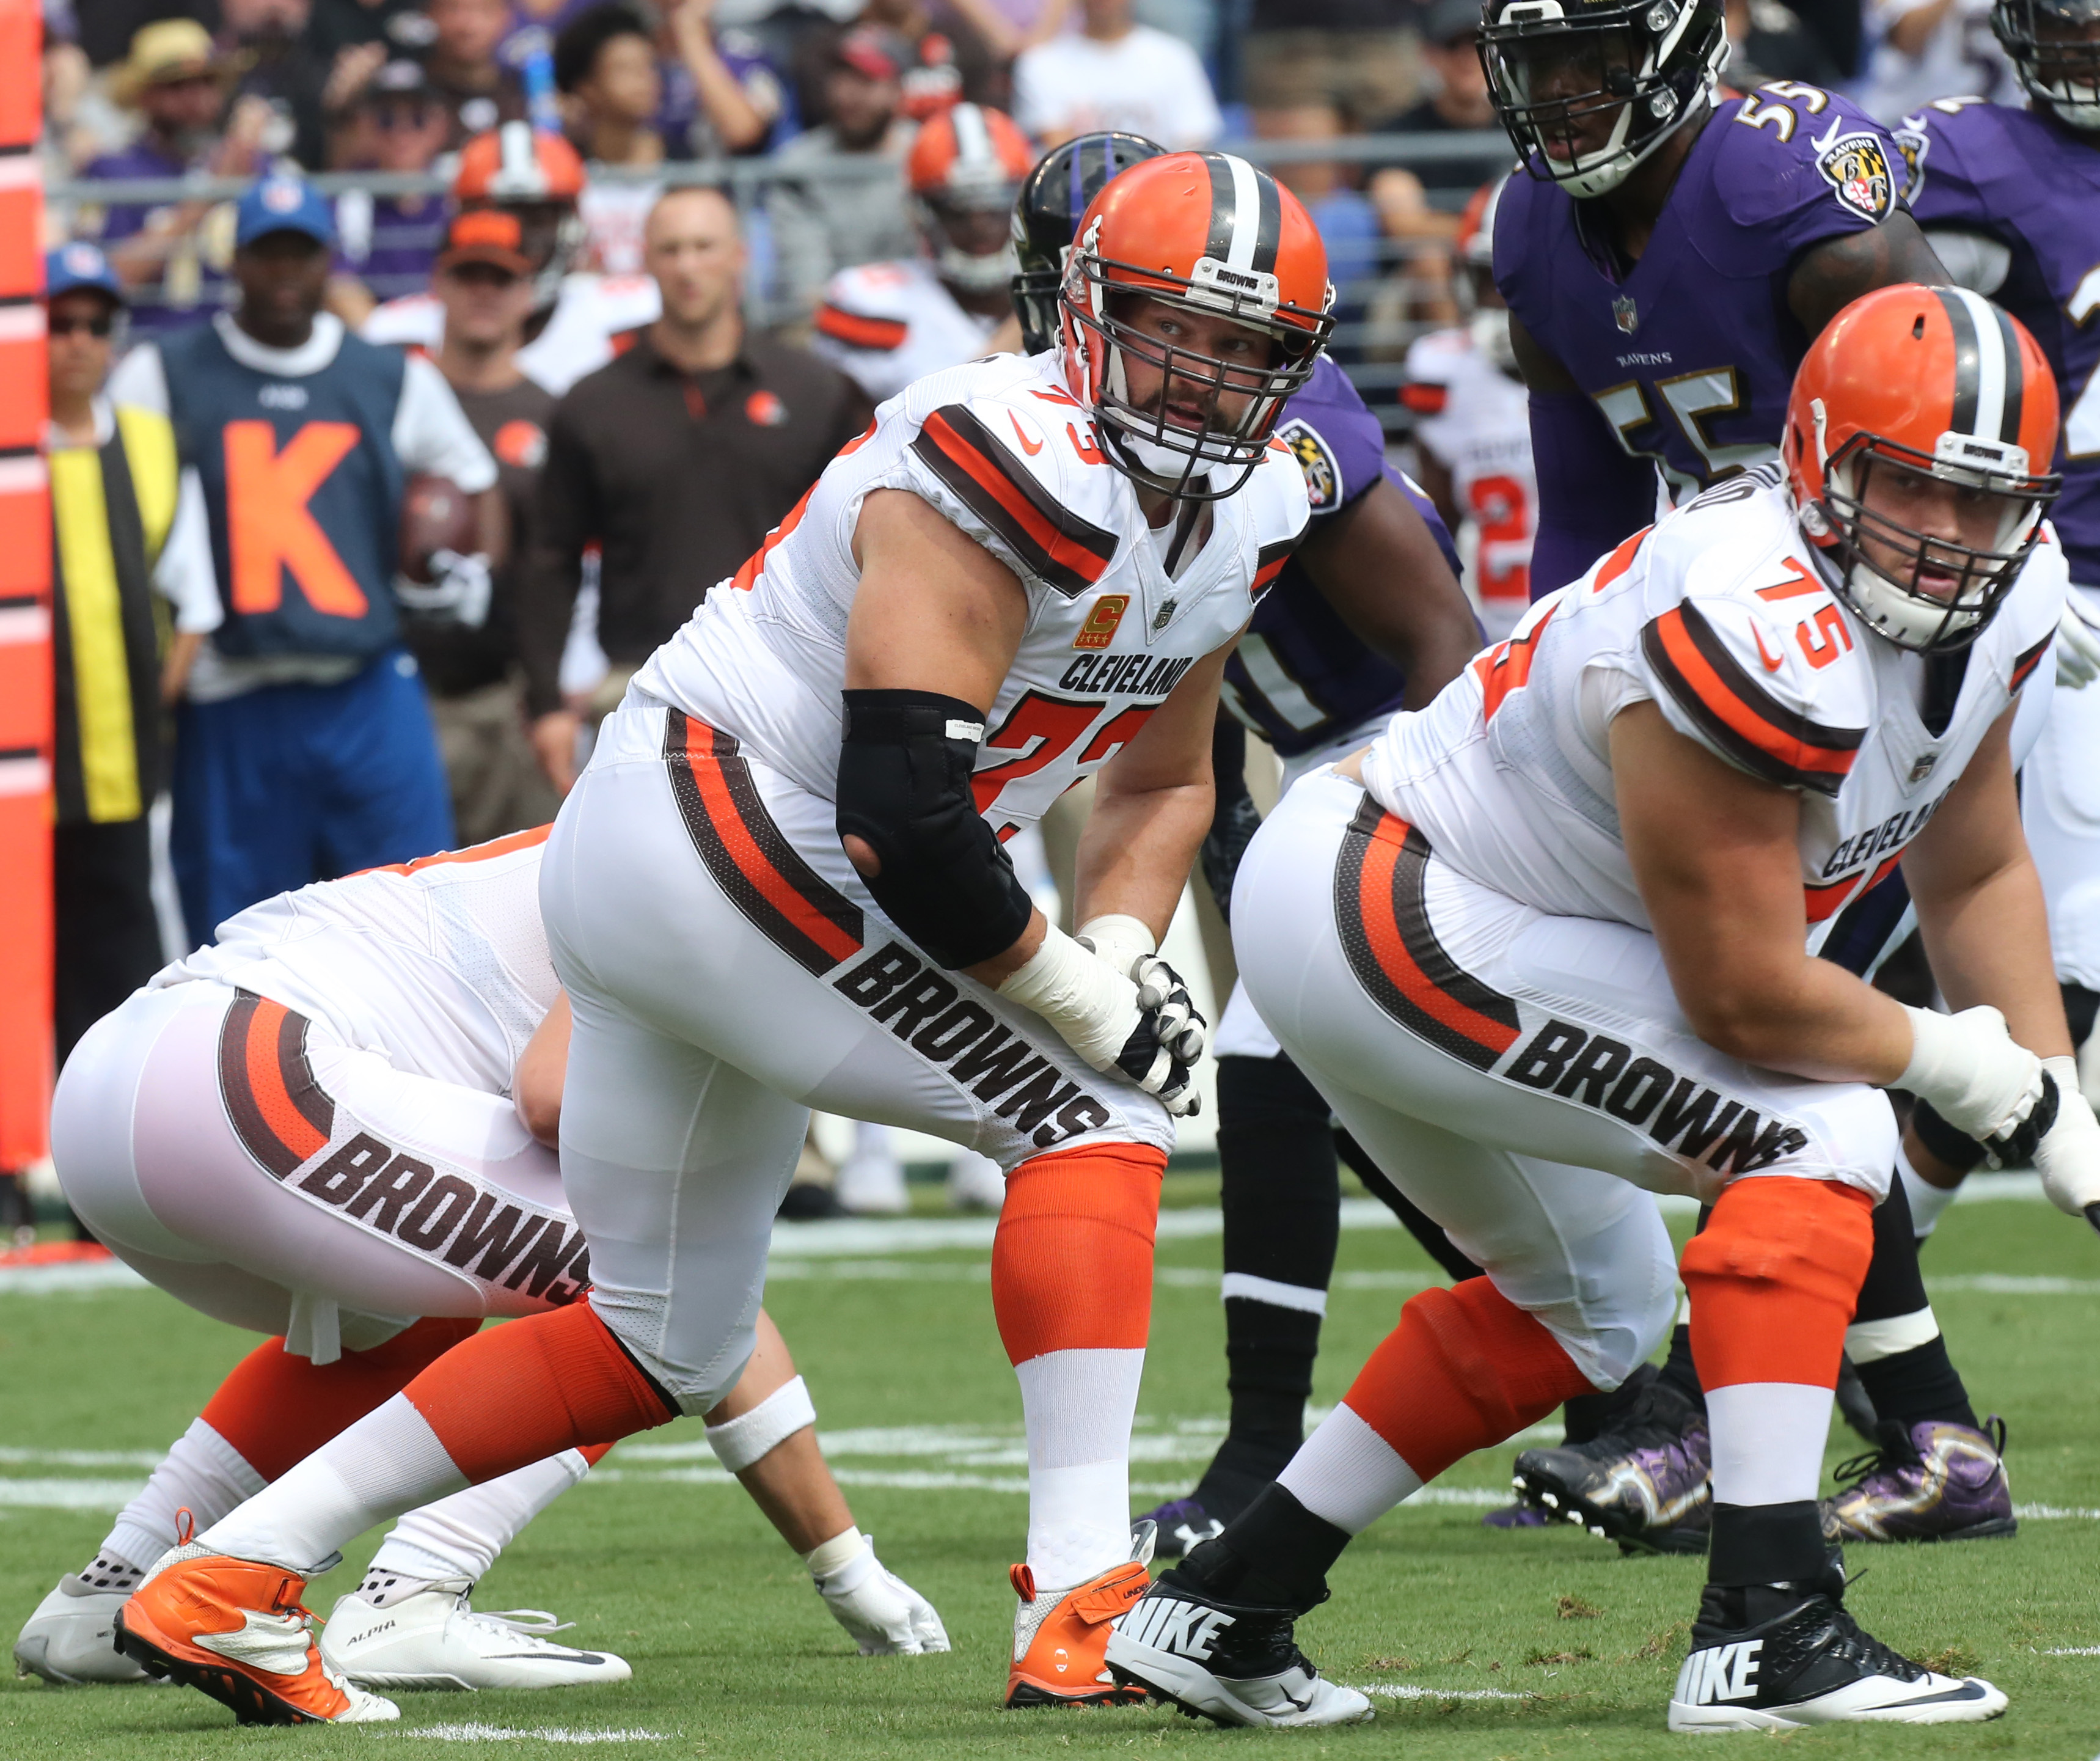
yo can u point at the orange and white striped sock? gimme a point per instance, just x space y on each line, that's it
1465 1369
1071 1287
1773 1278
505 1399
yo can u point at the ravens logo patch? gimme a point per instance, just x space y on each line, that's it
1913 144
1857 166
1323 477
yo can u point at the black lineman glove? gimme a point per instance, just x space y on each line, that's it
1162 1055
1232 830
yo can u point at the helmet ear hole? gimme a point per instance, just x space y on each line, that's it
1918 328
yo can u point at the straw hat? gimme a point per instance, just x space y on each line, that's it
164 51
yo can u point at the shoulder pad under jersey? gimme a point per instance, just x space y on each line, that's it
1744 648
1011 458
1791 165
868 306
1338 443
2033 609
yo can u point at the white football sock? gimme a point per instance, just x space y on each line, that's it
1926 1200
1079 1406
460 1536
1767 1439
1345 1473
203 1474
389 1461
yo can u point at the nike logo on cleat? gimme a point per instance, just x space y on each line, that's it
1720 1673
1184 1628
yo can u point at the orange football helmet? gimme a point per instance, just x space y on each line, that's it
1212 234
1931 383
965 169
537 176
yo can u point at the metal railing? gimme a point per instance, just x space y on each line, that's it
1405 293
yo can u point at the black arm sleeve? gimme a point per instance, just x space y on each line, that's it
1234 819
904 787
1592 493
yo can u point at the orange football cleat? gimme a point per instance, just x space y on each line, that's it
235 1629
1061 1643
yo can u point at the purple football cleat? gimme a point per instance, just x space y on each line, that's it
1931 1482
1183 1524
1643 1481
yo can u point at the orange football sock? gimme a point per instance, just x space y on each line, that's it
594 1453
276 1409
1465 1369
1773 1278
1071 1264
533 1388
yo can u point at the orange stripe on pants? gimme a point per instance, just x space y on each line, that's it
1071 1265
1773 1279
1465 1369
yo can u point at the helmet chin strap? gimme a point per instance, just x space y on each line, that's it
977 274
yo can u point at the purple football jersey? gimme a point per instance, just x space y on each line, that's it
1690 353
1300 678
2033 185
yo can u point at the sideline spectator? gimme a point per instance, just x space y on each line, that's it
1358 53
116 542
176 79
1455 96
719 88
1115 74
605 67
676 459
1928 49
266 41
821 224
476 87
387 245
304 748
484 282
1348 223
398 27
957 52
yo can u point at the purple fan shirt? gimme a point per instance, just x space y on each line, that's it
1689 355
2034 185
1300 678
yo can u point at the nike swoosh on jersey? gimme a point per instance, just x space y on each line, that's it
1772 662
1031 447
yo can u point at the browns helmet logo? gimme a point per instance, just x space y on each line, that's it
521 442
1857 166
1323 477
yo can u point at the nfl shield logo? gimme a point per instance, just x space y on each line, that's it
1622 311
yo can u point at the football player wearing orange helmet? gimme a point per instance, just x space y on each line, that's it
782 883
887 324
1553 942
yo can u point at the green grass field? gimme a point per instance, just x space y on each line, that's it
1477 1643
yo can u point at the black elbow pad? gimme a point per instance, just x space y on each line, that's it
904 787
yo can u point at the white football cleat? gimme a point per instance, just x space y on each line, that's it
884 1615
71 1639
434 1639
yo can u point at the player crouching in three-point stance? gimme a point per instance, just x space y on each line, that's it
1544 944
780 884
322 1126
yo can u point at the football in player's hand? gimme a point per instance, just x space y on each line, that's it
436 514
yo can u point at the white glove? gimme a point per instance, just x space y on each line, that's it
1975 1077
2068 1155
1122 941
885 1615
2077 644
1126 944
1146 1032
459 594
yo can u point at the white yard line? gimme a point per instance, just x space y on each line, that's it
1399 1691
513 1733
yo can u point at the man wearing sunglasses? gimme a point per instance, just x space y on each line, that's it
118 540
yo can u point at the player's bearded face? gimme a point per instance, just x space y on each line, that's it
1167 376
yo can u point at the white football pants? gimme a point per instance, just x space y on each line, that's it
1520 1077
729 972
2060 807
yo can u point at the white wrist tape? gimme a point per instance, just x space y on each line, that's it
739 1442
1094 1007
1122 941
1968 1067
827 1562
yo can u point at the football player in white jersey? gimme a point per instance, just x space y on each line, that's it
1472 432
1552 941
577 313
888 324
780 884
323 1126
